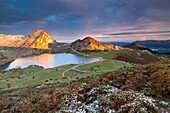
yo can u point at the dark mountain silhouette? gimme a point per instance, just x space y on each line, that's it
136 46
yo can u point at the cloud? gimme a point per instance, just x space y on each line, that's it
51 18
139 33
42 22
6 27
69 19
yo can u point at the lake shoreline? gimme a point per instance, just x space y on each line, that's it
68 50
49 60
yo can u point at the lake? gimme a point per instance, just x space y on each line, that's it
49 60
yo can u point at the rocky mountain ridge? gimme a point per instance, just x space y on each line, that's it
38 40
89 44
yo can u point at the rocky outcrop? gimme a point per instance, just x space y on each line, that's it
39 40
89 44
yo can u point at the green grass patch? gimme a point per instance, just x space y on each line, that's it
35 75
8 53
32 76
104 65
107 55
78 75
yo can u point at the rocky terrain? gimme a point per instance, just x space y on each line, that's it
89 44
38 40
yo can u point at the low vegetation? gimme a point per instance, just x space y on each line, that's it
133 89
6 57
34 75
104 65
8 54
131 56
152 79
31 76
142 88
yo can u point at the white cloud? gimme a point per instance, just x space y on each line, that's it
51 18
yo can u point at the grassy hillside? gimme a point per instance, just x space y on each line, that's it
104 65
35 75
6 56
141 88
123 88
131 56
31 76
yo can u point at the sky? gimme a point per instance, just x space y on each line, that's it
105 20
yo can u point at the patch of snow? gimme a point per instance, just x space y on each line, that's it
94 106
163 103
92 91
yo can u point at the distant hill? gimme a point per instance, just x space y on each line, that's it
136 46
155 46
89 44
162 46
39 40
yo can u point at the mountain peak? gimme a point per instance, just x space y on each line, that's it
90 44
42 39
39 32
136 44
88 38
39 40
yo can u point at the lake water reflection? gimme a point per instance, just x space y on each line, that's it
49 60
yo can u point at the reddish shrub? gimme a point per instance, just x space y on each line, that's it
54 100
138 81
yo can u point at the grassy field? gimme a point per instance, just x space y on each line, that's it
31 76
6 56
35 75
92 68
77 75
103 65
131 56
105 55
7 53
24 88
